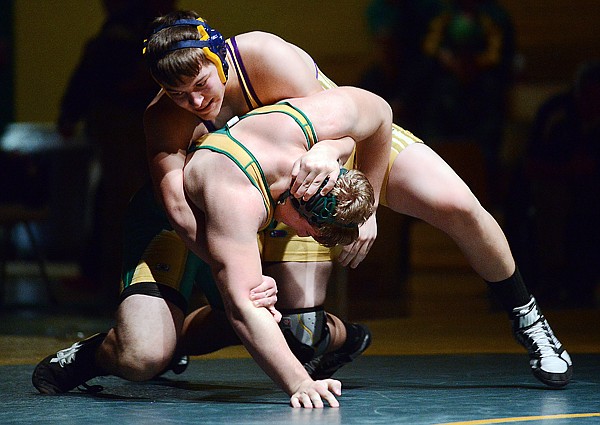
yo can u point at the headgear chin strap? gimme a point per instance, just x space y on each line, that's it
319 209
211 42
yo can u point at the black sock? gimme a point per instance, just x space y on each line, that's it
511 292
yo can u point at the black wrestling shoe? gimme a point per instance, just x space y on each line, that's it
550 363
325 365
179 364
69 368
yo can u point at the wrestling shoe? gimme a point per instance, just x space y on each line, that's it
325 365
179 364
549 361
69 368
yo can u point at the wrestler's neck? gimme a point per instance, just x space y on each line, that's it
234 103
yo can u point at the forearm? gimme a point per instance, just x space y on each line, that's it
373 152
256 327
263 339
373 160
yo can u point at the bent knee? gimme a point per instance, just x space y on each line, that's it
142 361
458 209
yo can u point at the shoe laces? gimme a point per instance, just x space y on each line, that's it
540 338
66 356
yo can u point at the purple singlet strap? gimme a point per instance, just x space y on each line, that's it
240 69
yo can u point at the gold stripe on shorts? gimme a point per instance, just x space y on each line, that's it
163 261
401 138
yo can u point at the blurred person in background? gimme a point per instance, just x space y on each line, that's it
556 196
397 29
470 46
108 92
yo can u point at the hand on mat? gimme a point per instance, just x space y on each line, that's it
265 295
312 393
354 253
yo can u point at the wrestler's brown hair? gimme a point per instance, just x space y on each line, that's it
171 67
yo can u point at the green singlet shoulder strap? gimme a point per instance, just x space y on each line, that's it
222 142
295 113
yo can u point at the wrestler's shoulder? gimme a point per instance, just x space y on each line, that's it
251 37
256 43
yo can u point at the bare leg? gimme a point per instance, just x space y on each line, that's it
422 185
139 347
143 341
300 285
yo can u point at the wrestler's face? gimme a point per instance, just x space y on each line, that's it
202 95
286 213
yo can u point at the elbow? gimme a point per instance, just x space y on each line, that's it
234 304
387 113
177 211
238 308
235 314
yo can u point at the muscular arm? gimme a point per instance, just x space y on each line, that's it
277 69
237 267
234 211
169 130
372 129
348 113
339 115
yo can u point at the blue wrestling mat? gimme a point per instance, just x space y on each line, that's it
434 389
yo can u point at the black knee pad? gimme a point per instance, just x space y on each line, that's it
306 332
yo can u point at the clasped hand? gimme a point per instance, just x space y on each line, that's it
265 295
312 169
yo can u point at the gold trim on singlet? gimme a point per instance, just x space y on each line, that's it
224 143
293 112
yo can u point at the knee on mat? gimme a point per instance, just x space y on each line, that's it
142 364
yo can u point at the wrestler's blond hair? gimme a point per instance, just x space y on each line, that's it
355 204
